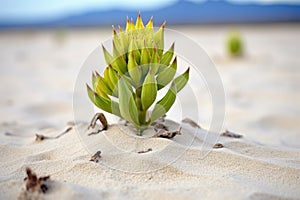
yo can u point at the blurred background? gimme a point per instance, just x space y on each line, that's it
255 45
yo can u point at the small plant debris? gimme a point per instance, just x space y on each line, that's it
145 151
159 126
231 134
39 137
169 135
191 122
101 117
96 157
162 119
218 146
71 123
9 134
125 122
33 183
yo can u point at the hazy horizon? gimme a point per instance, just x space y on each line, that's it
16 11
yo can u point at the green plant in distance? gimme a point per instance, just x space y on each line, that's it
137 69
234 44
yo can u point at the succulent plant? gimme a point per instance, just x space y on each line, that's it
234 44
136 70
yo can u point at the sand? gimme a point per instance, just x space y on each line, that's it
240 170
38 69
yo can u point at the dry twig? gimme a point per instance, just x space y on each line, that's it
145 151
159 126
230 134
96 157
169 135
101 117
39 137
33 183
191 122
218 146
160 120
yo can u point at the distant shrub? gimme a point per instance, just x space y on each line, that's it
234 44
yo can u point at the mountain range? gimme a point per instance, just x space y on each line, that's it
181 12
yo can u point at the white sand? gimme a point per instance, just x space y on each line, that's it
38 70
240 170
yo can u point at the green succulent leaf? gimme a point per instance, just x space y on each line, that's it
145 58
113 76
159 39
181 80
134 49
128 108
154 65
128 25
107 79
124 40
149 90
167 56
118 48
105 104
118 63
150 23
167 75
164 105
99 85
139 22
134 70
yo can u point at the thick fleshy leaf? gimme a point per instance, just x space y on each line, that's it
134 70
132 25
150 23
134 49
117 63
139 22
99 81
166 76
124 40
128 108
128 25
107 79
117 44
167 56
145 58
155 61
113 76
99 84
149 90
159 39
105 104
117 52
181 80
101 93
108 58
164 105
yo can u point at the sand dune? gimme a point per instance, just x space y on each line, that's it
242 169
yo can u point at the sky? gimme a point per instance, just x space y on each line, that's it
15 10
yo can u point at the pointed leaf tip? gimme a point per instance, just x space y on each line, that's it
182 80
163 24
96 73
114 30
